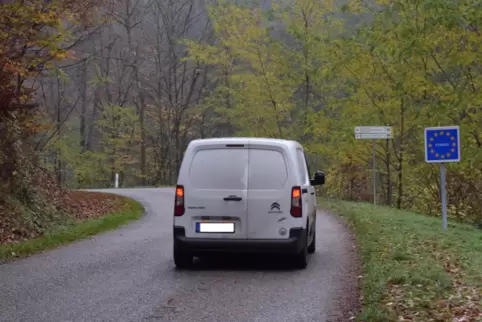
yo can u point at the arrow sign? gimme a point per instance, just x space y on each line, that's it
373 129
373 132
373 136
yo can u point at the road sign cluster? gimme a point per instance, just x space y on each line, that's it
442 144
373 132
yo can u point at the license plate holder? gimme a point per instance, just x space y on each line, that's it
215 227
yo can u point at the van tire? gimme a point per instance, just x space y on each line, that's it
301 259
182 259
312 247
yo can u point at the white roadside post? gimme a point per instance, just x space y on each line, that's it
442 144
116 183
373 133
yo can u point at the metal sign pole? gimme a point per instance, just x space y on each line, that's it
443 193
442 145
374 174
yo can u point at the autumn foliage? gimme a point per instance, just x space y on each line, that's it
33 36
411 65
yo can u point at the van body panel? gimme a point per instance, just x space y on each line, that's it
262 173
200 246
269 192
210 173
308 195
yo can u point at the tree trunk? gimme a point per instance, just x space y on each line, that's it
400 158
83 107
389 175
58 121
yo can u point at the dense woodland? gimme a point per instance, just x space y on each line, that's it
122 86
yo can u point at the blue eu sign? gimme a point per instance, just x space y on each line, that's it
442 144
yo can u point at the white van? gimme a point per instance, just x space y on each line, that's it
245 195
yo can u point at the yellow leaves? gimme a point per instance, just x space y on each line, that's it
356 6
258 83
40 32
385 75
10 67
47 18
60 54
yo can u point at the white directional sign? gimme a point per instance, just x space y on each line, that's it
373 136
373 132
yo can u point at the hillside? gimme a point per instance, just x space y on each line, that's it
52 216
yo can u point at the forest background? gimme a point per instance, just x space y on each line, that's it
122 86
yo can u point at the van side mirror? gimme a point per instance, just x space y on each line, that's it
319 179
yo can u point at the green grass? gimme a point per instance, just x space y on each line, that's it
72 232
410 264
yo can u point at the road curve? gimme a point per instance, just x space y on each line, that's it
129 275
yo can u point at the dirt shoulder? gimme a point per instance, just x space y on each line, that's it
347 302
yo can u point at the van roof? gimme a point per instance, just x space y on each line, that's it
245 140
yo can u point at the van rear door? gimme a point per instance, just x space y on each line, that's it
268 193
216 192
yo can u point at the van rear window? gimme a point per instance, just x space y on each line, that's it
267 170
219 169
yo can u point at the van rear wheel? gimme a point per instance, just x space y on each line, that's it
182 259
301 259
312 247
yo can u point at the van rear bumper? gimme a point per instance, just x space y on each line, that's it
291 245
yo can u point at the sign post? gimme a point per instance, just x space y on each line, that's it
442 144
116 182
373 133
374 160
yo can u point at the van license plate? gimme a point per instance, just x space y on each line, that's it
215 227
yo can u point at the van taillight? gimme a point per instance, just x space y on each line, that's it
296 209
179 201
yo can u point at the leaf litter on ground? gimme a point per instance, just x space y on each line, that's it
20 222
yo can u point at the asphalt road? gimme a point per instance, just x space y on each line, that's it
129 275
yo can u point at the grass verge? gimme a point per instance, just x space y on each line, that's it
412 269
71 232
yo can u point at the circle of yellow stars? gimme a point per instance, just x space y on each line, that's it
453 145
